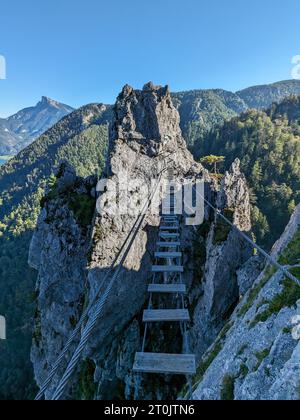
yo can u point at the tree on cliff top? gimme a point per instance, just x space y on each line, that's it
212 160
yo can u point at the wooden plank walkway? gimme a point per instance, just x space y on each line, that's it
166 315
167 288
169 235
181 364
168 244
167 269
168 228
168 254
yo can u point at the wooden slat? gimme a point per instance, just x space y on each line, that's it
167 269
170 222
168 254
166 315
169 235
176 364
168 244
167 288
164 228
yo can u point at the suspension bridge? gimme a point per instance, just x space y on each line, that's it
167 280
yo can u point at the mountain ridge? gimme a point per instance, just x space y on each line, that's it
20 129
200 111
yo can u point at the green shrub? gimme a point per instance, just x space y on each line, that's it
254 292
83 208
287 298
222 229
227 390
261 357
291 254
86 387
244 370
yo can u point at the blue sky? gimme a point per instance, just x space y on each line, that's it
85 51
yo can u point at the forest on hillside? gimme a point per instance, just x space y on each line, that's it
268 145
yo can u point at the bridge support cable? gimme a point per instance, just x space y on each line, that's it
167 280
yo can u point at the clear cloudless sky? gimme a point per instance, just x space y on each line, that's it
81 51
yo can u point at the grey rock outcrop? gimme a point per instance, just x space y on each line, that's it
248 273
58 251
66 177
257 355
225 254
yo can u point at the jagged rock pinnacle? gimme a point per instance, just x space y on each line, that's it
147 120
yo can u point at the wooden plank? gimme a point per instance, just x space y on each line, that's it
166 315
167 269
164 228
169 235
169 364
170 216
167 288
168 254
168 244
170 222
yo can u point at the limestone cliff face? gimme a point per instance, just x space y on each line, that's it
257 355
145 138
223 253
58 251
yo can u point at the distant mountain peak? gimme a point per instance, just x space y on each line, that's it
19 130
47 100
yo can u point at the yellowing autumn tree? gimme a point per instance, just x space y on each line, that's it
212 160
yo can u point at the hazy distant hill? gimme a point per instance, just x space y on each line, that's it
261 97
17 131
202 110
